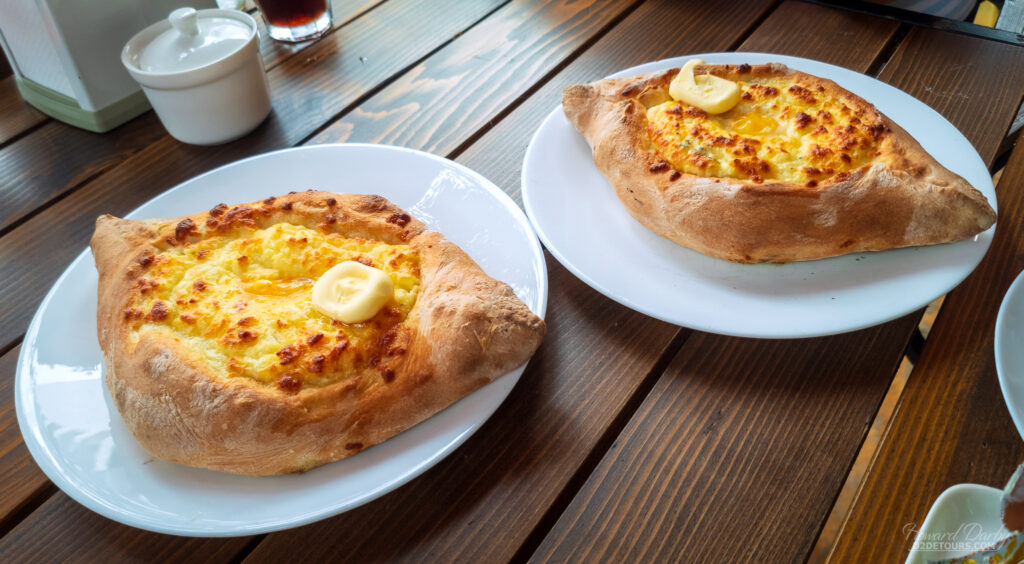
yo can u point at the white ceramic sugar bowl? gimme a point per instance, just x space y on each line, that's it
203 74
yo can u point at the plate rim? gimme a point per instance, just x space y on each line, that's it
40 449
652 66
1015 292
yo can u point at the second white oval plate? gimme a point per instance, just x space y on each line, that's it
581 221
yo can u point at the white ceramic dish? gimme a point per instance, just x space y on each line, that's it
964 519
583 224
203 74
1009 346
78 439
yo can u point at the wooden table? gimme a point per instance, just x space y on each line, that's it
627 439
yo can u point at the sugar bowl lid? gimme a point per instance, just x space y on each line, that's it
193 40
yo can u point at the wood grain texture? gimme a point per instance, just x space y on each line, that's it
736 454
59 158
306 92
951 425
18 115
821 33
737 519
480 74
21 478
480 503
97 539
944 70
641 321
741 447
932 430
484 502
737 437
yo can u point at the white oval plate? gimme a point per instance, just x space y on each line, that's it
79 440
1009 345
582 223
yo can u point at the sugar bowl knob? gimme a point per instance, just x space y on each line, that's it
184 21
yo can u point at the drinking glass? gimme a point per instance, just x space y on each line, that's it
296 20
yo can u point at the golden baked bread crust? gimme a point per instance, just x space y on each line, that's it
900 198
464 330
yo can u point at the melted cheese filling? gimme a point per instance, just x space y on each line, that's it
778 131
243 303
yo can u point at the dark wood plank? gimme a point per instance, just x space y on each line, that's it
774 447
736 454
930 427
975 84
98 539
484 503
712 455
58 158
306 92
22 480
818 32
446 99
462 509
951 425
18 115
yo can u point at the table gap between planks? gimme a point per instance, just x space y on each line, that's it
726 431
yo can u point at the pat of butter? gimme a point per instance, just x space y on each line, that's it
352 292
710 93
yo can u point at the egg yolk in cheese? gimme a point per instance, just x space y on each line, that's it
778 131
242 301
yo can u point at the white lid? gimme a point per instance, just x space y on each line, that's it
194 40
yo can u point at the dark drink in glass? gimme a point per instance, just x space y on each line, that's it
296 20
